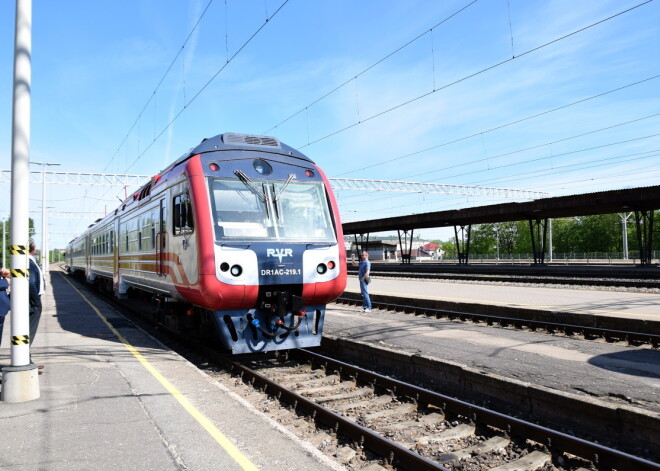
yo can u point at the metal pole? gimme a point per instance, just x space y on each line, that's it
44 222
20 381
4 242
550 237
624 221
43 219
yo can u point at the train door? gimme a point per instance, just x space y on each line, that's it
114 250
88 256
161 240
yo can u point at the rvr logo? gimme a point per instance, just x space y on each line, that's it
279 253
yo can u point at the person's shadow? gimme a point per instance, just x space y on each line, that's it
641 362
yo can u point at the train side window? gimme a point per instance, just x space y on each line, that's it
183 215
146 235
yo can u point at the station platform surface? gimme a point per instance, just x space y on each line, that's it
624 304
113 398
611 372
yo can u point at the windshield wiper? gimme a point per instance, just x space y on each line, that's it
250 184
286 183
276 197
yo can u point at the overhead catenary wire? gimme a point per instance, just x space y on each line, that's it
502 126
348 81
598 162
538 146
208 82
646 174
566 139
199 92
160 82
453 83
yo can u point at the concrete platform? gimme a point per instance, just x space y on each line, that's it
609 392
113 398
610 372
620 304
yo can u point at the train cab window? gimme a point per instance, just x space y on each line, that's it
240 211
182 215
274 210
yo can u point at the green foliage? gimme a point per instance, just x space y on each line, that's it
599 233
449 247
6 224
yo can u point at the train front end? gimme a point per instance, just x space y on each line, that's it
277 245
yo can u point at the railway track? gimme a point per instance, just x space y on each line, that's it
518 318
370 421
567 280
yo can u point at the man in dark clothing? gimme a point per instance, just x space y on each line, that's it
4 298
36 288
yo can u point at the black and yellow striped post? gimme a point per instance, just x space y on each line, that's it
20 381
20 310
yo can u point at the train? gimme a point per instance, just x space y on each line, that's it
239 240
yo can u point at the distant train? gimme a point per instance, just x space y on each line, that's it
240 236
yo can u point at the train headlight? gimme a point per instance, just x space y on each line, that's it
262 167
321 268
236 270
224 266
331 265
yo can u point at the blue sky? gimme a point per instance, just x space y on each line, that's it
497 93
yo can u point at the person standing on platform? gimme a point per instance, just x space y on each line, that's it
4 298
363 277
36 290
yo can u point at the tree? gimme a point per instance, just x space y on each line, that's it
7 231
449 247
483 239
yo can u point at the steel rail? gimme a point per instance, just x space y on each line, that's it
394 453
391 451
507 278
552 439
631 337
376 443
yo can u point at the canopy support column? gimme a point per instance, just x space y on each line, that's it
406 246
644 226
462 243
538 229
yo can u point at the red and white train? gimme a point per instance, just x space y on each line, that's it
240 237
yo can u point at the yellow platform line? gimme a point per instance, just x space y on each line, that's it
501 303
218 436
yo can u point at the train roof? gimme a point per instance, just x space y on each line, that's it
222 142
242 142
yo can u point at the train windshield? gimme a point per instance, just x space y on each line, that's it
284 211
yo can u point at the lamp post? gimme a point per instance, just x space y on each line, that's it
20 381
44 225
624 223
